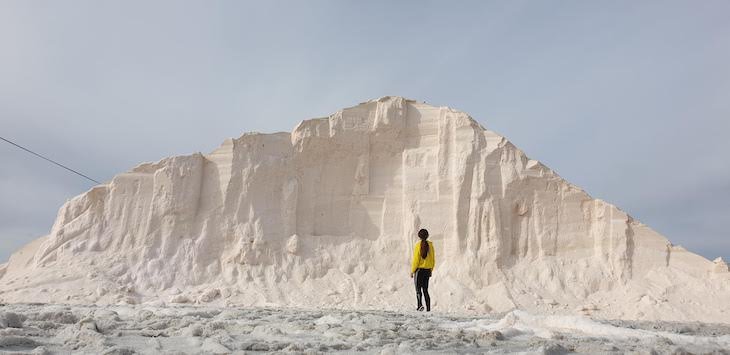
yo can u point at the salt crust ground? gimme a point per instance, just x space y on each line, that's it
62 329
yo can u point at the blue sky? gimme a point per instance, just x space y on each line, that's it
628 99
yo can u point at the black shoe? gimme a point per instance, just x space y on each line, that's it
420 309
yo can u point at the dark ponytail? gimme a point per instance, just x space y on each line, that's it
423 234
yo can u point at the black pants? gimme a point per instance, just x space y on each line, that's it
421 279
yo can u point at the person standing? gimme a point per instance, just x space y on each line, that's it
424 259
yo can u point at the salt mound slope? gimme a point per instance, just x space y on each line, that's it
327 215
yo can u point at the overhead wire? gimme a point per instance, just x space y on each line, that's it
48 159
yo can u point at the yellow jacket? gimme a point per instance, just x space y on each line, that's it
428 263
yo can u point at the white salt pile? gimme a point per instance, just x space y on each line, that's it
327 216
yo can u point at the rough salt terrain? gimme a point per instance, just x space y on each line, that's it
61 329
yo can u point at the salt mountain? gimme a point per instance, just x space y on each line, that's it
326 216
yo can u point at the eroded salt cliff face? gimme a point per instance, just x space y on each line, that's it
327 216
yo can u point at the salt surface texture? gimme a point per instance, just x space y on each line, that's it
327 215
195 329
